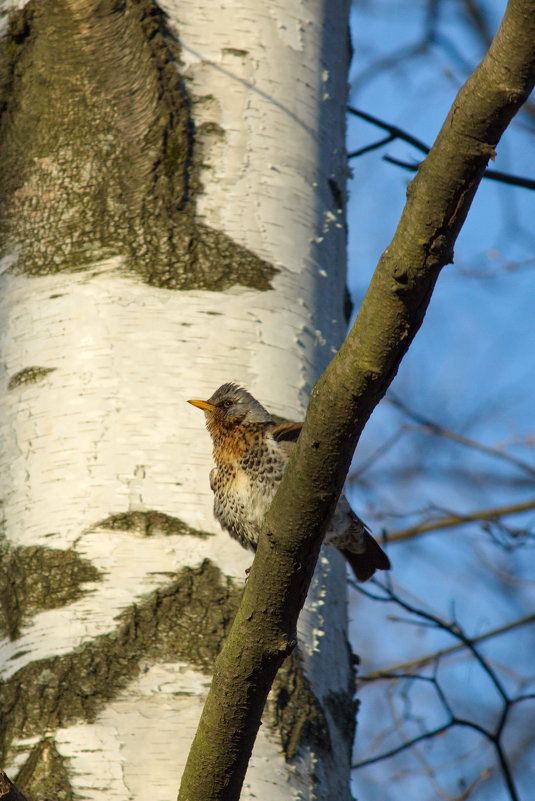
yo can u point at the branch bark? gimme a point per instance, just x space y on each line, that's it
439 197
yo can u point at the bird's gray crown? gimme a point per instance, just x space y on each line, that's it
235 402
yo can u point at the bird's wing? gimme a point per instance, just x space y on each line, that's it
213 474
346 530
286 432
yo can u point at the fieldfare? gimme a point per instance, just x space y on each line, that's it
251 452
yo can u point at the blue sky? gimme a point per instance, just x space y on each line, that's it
472 369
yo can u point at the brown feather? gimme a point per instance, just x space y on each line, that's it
287 432
373 557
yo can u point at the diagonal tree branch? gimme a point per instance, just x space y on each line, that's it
439 198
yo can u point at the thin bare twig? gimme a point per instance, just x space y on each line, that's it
455 630
394 132
452 628
431 427
491 175
428 735
451 520
380 143
478 21
380 451
393 672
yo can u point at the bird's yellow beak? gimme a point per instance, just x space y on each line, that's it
204 405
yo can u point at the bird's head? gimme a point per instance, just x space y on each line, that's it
232 405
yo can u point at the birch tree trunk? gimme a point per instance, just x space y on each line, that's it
171 206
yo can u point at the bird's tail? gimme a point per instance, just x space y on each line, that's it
371 559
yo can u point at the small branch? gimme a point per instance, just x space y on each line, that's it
523 697
493 737
398 133
368 148
478 21
473 785
451 520
452 628
491 175
428 735
393 672
452 723
393 130
380 451
429 426
506 770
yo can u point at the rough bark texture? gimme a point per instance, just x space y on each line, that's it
37 578
438 200
187 620
98 149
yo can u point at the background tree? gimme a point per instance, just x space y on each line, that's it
172 218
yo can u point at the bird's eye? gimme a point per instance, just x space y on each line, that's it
227 404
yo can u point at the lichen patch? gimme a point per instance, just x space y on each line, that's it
29 375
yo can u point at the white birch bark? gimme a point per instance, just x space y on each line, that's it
99 366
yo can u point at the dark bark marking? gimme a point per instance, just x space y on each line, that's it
187 620
34 579
29 375
296 711
98 151
150 523
44 775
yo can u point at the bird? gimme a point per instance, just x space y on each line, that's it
250 452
